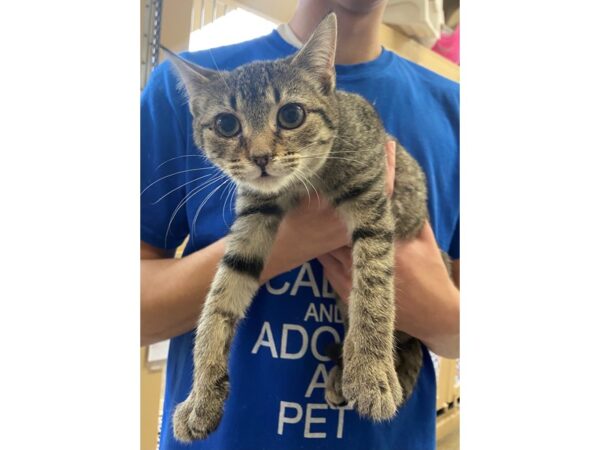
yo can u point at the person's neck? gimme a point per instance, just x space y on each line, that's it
358 33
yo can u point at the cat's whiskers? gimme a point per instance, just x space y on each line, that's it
230 190
172 175
193 231
294 159
191 194
288 162
330 152
191 155
184 184
305 186
307 179
231 205
218 70
328 156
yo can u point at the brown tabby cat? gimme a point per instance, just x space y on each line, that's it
272 126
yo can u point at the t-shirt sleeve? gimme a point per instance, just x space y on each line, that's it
454 250
162 145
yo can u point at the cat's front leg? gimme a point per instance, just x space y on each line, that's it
369 380
231 292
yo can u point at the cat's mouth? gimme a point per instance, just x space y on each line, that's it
264 176
269 178
267 182
266 173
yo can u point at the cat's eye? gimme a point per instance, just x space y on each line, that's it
227 125
291 116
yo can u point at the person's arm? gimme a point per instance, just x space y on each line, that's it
427 299
173 290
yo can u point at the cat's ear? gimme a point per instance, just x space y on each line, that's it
192 76
318 54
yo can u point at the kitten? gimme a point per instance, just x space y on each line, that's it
271 126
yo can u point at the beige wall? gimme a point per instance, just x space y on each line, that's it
279 10
150 395
395 40
176 24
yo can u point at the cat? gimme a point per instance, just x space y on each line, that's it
271 126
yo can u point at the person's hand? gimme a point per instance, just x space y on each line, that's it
390 150
307 231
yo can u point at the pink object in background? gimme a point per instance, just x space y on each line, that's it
449 45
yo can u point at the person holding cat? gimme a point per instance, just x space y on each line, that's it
278 361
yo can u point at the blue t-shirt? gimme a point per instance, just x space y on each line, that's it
277 364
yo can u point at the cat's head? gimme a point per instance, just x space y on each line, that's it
269 124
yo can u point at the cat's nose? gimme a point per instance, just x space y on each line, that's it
261 161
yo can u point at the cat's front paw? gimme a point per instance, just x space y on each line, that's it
195 419
192 422
333 391
184 414
372 387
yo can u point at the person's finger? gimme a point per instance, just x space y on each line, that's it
390 148
344 256
334 272
424 240
330 263
426 233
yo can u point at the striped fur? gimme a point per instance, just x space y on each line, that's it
340 150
